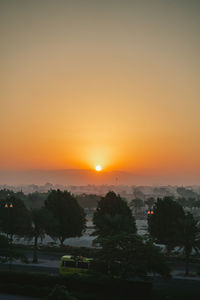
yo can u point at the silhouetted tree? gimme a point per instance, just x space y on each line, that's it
165 222
42 222
187 193
113 215
138 193
188 236
14 218
122 251
68 213
5 193
127 254
182 201
88 201
192 202
36 199
150 202
137 204
8 253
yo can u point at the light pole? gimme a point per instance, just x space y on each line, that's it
8 205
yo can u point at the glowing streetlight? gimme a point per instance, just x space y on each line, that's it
9 206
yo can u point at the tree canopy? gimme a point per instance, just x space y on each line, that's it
69 215
14 217
137 204
8 253
128 254
113 215
188 237
123 252
150 202
165 222
42 222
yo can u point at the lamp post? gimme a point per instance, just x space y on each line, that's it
8 205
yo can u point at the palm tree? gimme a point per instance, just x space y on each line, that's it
136 203
150 202
189 238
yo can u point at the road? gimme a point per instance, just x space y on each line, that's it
49 262
15 297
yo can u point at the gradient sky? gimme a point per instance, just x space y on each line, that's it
87 82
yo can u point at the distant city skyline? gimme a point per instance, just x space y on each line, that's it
114 83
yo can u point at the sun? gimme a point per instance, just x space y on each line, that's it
98 168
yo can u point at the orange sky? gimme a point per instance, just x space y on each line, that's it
114 83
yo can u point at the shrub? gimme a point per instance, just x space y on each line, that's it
86 286
59 292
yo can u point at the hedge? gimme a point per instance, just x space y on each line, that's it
82 285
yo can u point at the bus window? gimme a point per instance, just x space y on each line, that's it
82 265
69 263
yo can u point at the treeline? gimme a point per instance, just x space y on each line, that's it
169 225
37 199
185 197
60 217
122 251
138 205
173 227
31 201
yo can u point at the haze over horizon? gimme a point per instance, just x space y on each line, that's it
113 83
85 177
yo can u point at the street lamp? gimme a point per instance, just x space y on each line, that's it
9 206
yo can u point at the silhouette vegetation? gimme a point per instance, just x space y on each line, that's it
69 215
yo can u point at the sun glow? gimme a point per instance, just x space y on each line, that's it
98 168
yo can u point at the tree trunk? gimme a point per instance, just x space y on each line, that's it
109 269
187 265
10 252
61 241
35 251
168 250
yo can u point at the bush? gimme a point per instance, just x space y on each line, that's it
60 293
93 284
26 290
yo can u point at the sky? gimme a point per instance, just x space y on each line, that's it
101 82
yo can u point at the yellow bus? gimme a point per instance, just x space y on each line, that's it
70 263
